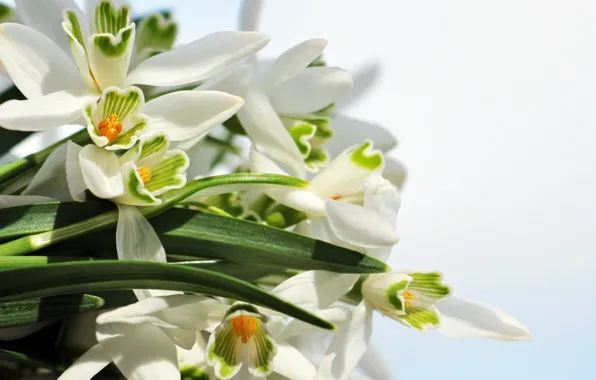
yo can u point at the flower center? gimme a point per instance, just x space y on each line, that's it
110 127
244 327
145 173
408 298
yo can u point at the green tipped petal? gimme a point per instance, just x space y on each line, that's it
135 193
155 33
110 19
193 373
169 174
6 13
317 158
109 56
301 134
122 102
72 27
76 39
420 318
366 157
149 151
242 326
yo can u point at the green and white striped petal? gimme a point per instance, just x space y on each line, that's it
115 122
109 18
169 174
135 193
149 151
408 298
310 133
73 28
241 336
156 33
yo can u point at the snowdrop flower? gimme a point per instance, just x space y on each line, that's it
121 115
332 192
56 93
417 300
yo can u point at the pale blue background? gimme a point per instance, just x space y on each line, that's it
494 104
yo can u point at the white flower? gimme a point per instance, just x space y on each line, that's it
56 93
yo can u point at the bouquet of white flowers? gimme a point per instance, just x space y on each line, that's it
213 217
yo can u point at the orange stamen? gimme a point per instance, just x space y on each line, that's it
145 174
110 127
244 327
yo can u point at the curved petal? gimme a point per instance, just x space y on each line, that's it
183 115
135 237
374 365
45 112
7 201
140 352
348 345
197 60
74 174
350 131
51 180
109 56
365 78
311 90
234 81
101 172
292 61
87 365
395 172
464 318
315 289
35 63
289 362
267 131
296 327
250 14
46 17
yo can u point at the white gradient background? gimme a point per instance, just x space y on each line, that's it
494 105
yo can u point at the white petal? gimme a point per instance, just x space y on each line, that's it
108 68
311 90
464 318
374 365
250 14
234 81
87 365
50 180
382 197
315 289
395 172
348 345
35 63
101 171
359 226
46 17
292 61
44 112
289 362
365 78
350 131
135 237
267 131
335 315
7 201
298 198
183 115
141 352
74 174
197 60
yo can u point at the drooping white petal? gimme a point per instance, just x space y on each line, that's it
101 172
135 237
183 115
298 198
464 318
358 225
292 61
250 14
46 17
350 131
50 180
289 362
267 131
44 112
7 201
140 352
348 345
365 78
74 174
382 197
394 171
35 63
311 90
315 289
87 365
197 60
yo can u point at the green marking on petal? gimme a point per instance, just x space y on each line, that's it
129 138
72 26
122 102
318 62
193 373
156 32
316 158
366 157
113 46
430 285
225 351
110 19
6 13
263 352
169 173
302 133
135 192
152 148
420 318
392 294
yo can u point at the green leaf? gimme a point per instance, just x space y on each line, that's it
197 234
88 277
32 310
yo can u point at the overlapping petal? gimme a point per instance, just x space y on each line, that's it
101 172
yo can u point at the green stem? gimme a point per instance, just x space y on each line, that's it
13 169
32 243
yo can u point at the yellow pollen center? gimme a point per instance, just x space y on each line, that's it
244 327
110 127
408 298
145 174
